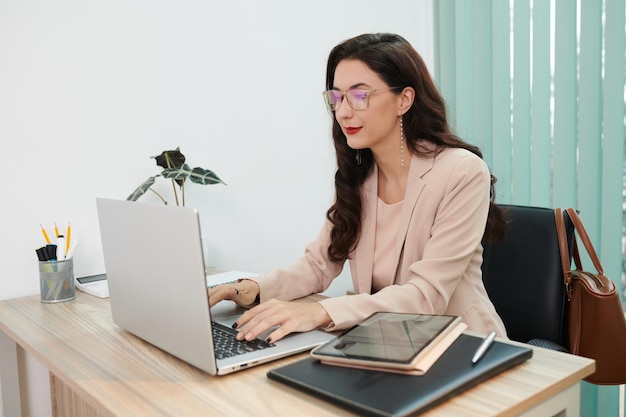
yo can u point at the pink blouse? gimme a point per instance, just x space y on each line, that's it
387 224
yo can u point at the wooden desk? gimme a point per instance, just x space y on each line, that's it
97 369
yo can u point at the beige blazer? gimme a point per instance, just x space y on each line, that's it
438 250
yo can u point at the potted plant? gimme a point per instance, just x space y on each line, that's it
176 170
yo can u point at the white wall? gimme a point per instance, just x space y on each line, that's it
89 90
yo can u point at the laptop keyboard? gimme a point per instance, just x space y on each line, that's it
226 344
221 283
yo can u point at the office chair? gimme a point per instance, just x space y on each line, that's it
524 277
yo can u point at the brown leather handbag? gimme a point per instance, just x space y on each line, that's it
596 325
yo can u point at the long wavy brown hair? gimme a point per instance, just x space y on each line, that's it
399 65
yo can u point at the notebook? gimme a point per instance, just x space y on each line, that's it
158 289
388 394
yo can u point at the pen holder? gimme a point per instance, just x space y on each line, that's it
56 281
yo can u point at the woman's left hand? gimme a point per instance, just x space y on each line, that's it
290 316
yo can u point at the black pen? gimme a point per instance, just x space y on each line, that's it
484 346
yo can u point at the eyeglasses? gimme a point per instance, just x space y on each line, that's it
358 99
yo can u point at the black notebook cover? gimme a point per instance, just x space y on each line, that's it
387 394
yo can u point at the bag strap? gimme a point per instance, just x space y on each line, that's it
582 233
564 250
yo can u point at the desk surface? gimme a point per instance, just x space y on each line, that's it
117 374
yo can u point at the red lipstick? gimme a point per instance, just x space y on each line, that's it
352 130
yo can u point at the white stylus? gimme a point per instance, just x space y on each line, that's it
484 346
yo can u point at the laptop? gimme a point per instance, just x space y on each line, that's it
158 288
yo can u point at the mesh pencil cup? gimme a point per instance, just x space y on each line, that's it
56 281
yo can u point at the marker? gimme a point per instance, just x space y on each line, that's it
45 234
60 248
51 249
484 346
42 254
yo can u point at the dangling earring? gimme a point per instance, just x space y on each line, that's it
401 142
358 157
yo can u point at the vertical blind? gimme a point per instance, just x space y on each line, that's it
540 87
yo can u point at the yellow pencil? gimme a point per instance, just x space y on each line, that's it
45 235
56 230
67 238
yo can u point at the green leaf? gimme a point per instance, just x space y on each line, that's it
170 159
141 190
197 175
177 174
204 176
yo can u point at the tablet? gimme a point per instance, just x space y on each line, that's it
394 340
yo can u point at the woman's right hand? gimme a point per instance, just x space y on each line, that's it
243 292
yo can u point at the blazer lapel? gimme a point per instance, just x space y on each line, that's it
414 186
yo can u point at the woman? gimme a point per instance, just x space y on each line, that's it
412 205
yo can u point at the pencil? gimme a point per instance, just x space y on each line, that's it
45 235
56 230
67 238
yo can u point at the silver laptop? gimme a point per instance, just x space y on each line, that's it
157 285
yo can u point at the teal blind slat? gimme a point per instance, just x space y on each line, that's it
444 57
521 102
501 147
589 170
464 71
541 126
565 108
481 77
613 139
